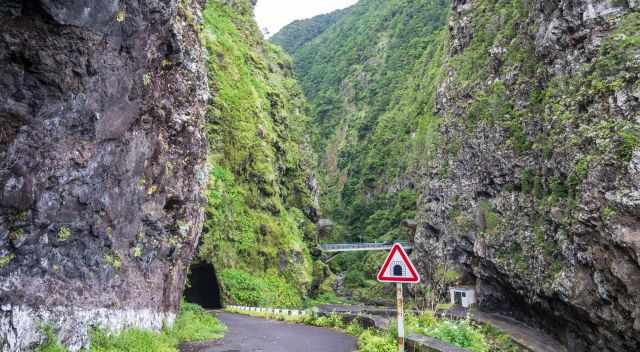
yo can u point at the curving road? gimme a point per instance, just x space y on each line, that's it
249 334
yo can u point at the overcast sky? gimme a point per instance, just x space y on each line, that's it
275 14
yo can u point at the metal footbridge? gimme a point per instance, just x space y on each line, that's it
356 247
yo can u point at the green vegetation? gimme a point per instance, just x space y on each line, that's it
242 288
113 260
298 33
490 217
131 340
368 341
192 324
259 203
370 76
195 324
462 333
64 233
120 16
4 260
459 333
326 298
51 342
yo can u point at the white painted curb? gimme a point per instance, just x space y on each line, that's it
277 311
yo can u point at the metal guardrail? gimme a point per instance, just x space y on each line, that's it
352 247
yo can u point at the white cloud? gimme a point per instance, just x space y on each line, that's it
275 14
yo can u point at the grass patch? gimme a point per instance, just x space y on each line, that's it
51 343
192 324
132 340
195 324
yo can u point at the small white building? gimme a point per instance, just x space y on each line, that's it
463 296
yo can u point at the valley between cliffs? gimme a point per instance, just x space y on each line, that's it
514 128
148 147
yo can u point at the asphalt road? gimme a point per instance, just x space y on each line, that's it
249 334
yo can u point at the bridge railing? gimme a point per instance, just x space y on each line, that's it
345 247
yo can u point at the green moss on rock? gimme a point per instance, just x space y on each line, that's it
259 201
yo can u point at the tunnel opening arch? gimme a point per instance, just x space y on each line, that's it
203 286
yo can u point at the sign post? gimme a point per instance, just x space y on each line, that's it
400 304
398 268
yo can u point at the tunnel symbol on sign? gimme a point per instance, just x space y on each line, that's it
397 268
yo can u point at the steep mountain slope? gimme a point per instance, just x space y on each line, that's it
517 126
261 195
102 163
298 33
531 189
359 75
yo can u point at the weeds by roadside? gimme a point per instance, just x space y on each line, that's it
192 324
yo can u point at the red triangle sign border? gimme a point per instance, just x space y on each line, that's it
415 276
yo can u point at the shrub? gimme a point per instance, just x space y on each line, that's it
327 321
460 333
370 342
354 328
243 288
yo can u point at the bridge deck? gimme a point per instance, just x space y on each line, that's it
354 247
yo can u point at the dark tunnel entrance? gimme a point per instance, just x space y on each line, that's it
204 289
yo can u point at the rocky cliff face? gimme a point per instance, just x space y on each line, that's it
102 158
530 190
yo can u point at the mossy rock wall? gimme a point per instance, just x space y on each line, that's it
529 191
262 200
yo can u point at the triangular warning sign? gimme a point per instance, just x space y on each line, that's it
398 267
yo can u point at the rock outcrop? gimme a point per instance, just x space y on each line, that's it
533 191
102 164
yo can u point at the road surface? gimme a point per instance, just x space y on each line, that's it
249 334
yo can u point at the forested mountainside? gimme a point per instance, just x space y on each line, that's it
298 33
262 196
362 77
515 124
